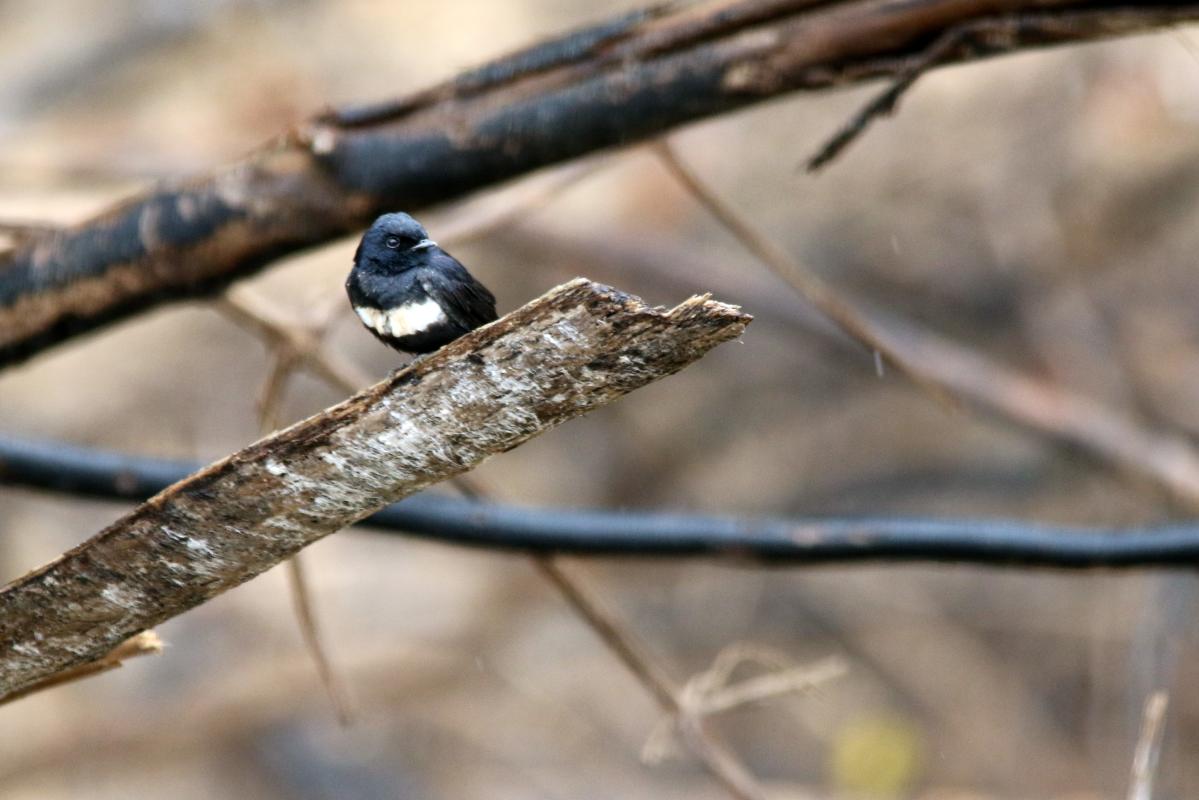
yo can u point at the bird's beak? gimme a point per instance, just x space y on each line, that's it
424 244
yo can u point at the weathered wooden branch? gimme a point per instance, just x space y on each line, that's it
575 348
605 86
142 644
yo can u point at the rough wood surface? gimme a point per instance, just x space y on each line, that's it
141 644
609 85
575 348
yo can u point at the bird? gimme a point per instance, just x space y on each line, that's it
412 295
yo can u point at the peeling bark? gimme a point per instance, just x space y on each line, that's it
605 86
142 644
576 348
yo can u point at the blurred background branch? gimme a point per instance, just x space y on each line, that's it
716 756
612 84
1023 233
948 369
64 468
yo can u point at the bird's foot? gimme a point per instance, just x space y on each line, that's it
415 360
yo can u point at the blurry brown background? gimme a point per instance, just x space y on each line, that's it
1039 207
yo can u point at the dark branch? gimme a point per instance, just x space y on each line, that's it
985 37
96 473
1111 435
606 86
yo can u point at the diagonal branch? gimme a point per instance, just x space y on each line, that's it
978 38
806 282
950 370
289 341
142 644
292 344
720 761
610 85
283 363
304 607
576 348
1148 750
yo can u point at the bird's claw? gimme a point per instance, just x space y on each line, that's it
415 360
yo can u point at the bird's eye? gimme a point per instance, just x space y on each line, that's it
393 242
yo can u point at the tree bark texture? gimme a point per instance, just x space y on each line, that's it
575 348
609 85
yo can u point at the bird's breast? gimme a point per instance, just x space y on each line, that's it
402 320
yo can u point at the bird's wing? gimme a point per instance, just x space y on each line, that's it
464 300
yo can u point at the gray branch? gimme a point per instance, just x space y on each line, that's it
576 348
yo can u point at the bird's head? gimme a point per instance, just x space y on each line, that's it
393 243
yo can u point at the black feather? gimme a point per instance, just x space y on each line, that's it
397 269
463 299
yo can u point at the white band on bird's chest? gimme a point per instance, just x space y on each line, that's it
405 320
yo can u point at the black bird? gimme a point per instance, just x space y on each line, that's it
410 293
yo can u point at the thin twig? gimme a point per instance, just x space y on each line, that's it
810 285
712 691
142 644
1168 459
720 674
716 756
479 218
305 610
712 698
952 370
885 102
270 400
1144 761
258 315
270 396
985 36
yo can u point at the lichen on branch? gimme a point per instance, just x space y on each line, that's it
575 348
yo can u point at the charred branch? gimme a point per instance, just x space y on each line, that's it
606 86
809 541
